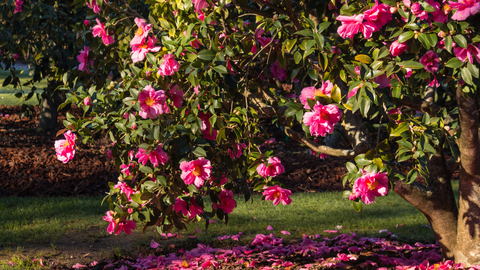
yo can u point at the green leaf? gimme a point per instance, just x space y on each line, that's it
361 160
460 40
402 127
7 80
351 167
449 44
423 39
357 206
297 57
363 58
405 36
473 69
412 176
146 169
200 152
454 63
290 112
304 32
289 44
151 59
323 26
319 39
221 69
294 105
467 76
121 126
206 55
411 64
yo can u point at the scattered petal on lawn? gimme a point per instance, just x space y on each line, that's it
383 231
399 225
94 263
79 266
154 244
193 237
285 232
330 231
11 263
198 230
270 228
236 237
225 237
212 221
339 227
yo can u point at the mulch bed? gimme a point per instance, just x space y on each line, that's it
30 167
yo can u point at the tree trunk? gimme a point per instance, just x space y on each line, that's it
51 99
467 251
436 202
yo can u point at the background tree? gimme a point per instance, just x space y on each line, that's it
181 91
43 34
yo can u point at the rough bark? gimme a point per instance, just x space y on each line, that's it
468 233
436 202
51 99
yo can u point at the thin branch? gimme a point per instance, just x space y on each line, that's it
276 8
119 10
293 16
252 10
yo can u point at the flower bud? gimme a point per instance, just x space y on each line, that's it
87 101
86 22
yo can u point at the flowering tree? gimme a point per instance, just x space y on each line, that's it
44 35
179 87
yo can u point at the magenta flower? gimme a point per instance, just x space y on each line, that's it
139 51
237 150
397 48
18 6
87 101
322 120
117 225
431 61
141 33
83 59
371 185
278 72
439 15
382 81
99 30
94 6
155 156
277 195
311 92
352 24
196 44
168 66
378 15
199 5
418 11
468 53
87 23
227 203
181 206
176 95
208 132
65 149
124 188
465 9
262 40
152 103
196 172
126 168
274 168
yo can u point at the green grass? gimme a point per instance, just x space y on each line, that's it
7 93
42 220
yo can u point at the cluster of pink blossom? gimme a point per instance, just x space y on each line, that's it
18 6
369 186
323 119
117 226
272 169
100 31
84 59
65 149
311 93
139 44
152 103
196 172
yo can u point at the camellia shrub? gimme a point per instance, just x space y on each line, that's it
179 88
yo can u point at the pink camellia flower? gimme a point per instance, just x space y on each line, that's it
117 225
354 91
431 61
223 181
87 101
322 120
371 185
227 203
65 149
397 48
141 33
181 206
352 24
277 195
439 15
126 168
262 40
168 66
124 188
83 59
311 92
87 23
196 172
382 81
18 6
199 5
139 51
15 56
274 168
94 6
465 9
418 11
409 72
468 53
99 30
152 102
196 44
278 72
208 132
237 150
378 16
155 156
176 95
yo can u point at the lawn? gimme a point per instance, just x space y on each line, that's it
7 93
